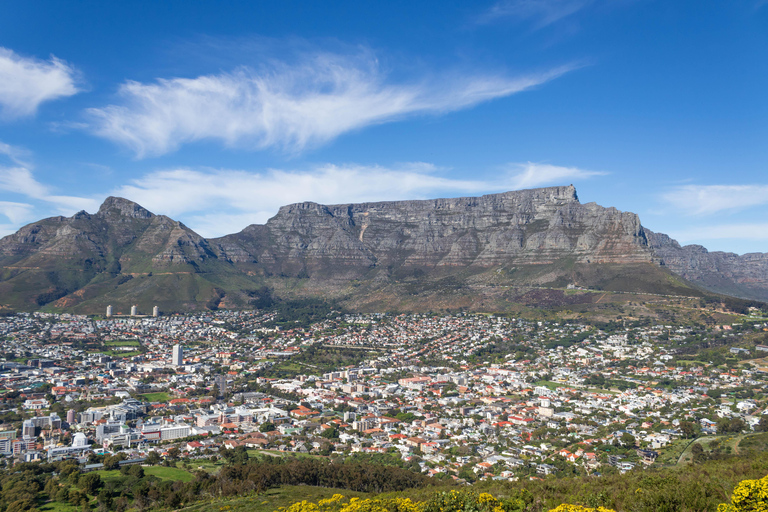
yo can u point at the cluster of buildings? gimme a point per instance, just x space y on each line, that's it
467 395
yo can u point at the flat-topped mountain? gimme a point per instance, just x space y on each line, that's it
458 251
528 227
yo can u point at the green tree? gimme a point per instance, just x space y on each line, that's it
627 439
90 483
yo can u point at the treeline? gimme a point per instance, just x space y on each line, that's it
28 486
274 471
735 304
294 312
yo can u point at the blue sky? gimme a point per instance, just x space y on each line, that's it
217 113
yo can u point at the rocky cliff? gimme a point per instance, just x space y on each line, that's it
124 254
723 272
529 227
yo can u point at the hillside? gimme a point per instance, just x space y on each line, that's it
478 253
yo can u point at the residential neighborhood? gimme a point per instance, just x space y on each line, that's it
455 396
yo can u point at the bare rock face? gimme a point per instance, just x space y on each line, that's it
723 272
537 226
125 253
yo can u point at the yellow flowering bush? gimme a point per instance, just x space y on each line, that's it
339 503
748 496
453 501
565 507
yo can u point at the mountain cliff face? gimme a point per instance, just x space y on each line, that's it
724 272
529 227
472 246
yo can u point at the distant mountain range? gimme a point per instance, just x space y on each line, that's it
461 252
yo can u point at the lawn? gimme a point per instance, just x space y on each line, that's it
160 396
166 473
207 466
549 384
107 475
123 343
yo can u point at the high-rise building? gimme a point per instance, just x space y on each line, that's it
71 416
109 311
134 310
177 358
221 384
155 311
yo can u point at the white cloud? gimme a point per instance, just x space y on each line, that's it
19 179
217 202
540 12
15 212
709 199
531 175
25 83
224 201
290 107
739 231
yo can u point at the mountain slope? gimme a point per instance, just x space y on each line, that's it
473 252
65 262
743 276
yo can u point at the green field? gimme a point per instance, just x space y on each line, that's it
165 473
549 384
123 343
160 396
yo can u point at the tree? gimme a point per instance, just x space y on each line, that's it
90 483
152 458
111 462
330 433
267 426
688 429
627 439
732 426
697 451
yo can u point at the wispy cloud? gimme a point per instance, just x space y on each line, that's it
15 212
216 202
288 106
709 199
25 83
531 175
18 178
539 12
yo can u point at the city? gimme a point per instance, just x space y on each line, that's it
463 396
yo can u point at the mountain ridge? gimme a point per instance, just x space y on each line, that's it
373 253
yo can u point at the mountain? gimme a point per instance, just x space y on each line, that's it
122 254
722 272
472 252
